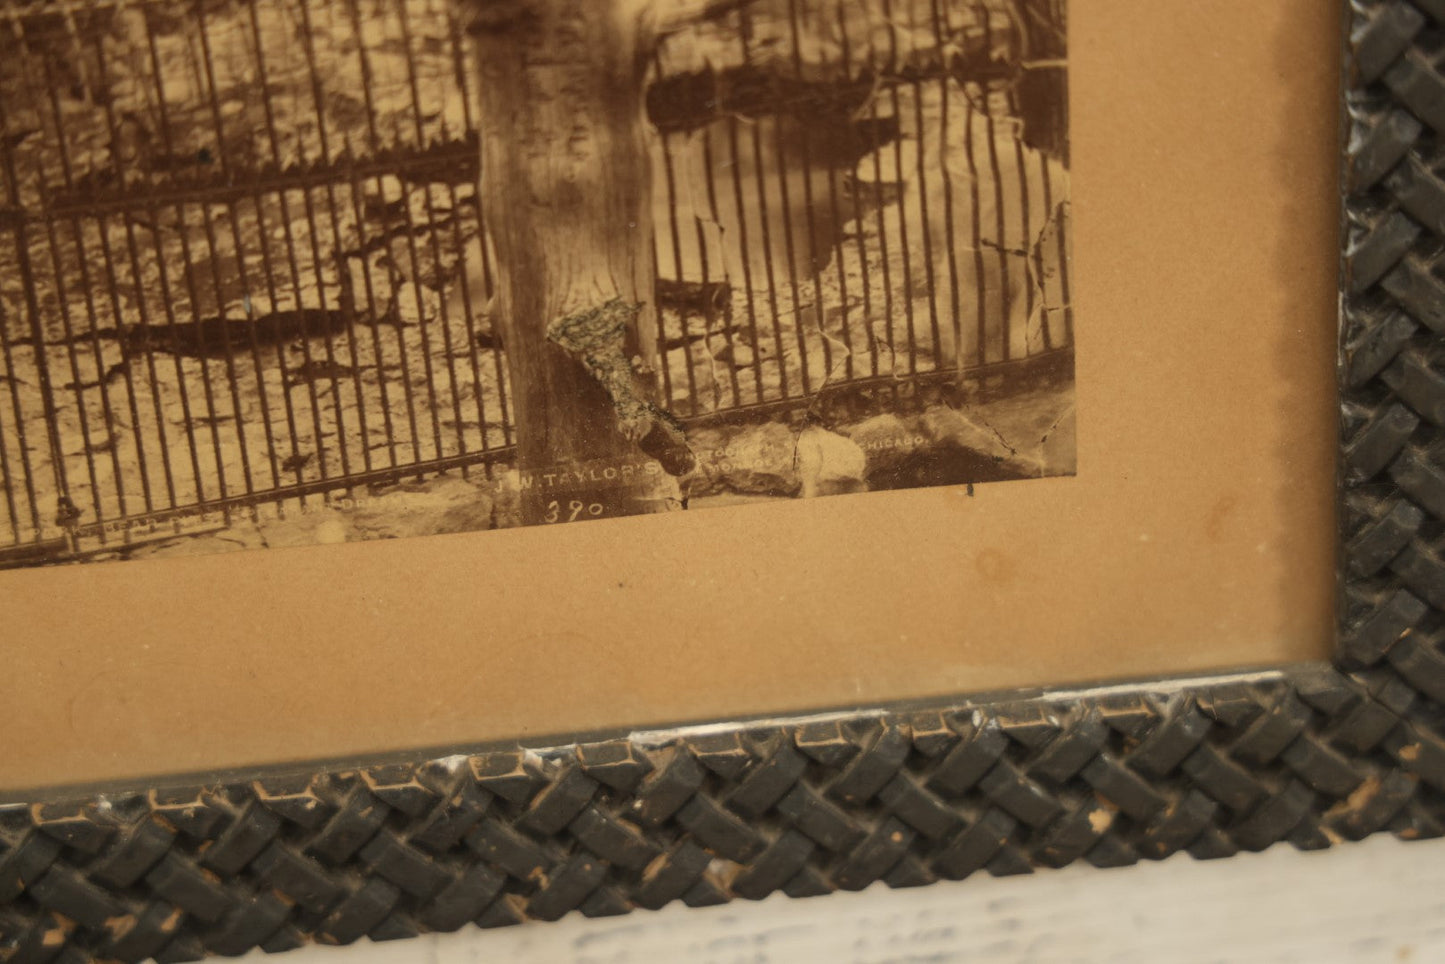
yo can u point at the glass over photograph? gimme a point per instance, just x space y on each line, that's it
291 272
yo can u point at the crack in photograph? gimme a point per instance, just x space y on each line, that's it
288 272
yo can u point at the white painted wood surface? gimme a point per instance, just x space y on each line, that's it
1377 901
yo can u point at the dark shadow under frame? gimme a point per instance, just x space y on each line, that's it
1312 755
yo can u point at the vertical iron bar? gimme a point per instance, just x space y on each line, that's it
464 80
464 278
283 372
744 31
700 235
8 377
498 365
945 82
976 227
1001 224
373 325
1064 240
176 354
745 255
790 251
422 324
233 381
661 326
291 260
426 359
855 193
133 405
1024 219
26 471
88 285
37 334
346 299
436 254
835 220
459 64
925 225
168 145
1037 251
880 211
101 370
710 179
77 387
907 265
182 230
356 201
809 215
11 509
142 309
435 244
263 237
374 144
313 238
676 237
52 243
240 253
1060 16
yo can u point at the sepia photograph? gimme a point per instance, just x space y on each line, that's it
279 273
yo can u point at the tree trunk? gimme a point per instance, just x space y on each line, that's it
566 192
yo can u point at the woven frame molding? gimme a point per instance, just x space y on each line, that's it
1311 755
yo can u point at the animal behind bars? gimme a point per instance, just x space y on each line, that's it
976 218
995 236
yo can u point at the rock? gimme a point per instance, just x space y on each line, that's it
330 532
999 449
884 440
943 446
829 463
708 445
945 425
301 528
506 495
1026 437
441 504
1026 420
472 516
758 460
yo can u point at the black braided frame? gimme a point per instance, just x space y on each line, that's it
1311 755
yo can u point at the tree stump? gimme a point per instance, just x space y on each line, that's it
566 192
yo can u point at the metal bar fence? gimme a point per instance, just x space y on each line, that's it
242 263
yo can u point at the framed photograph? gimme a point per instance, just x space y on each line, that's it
1061 374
